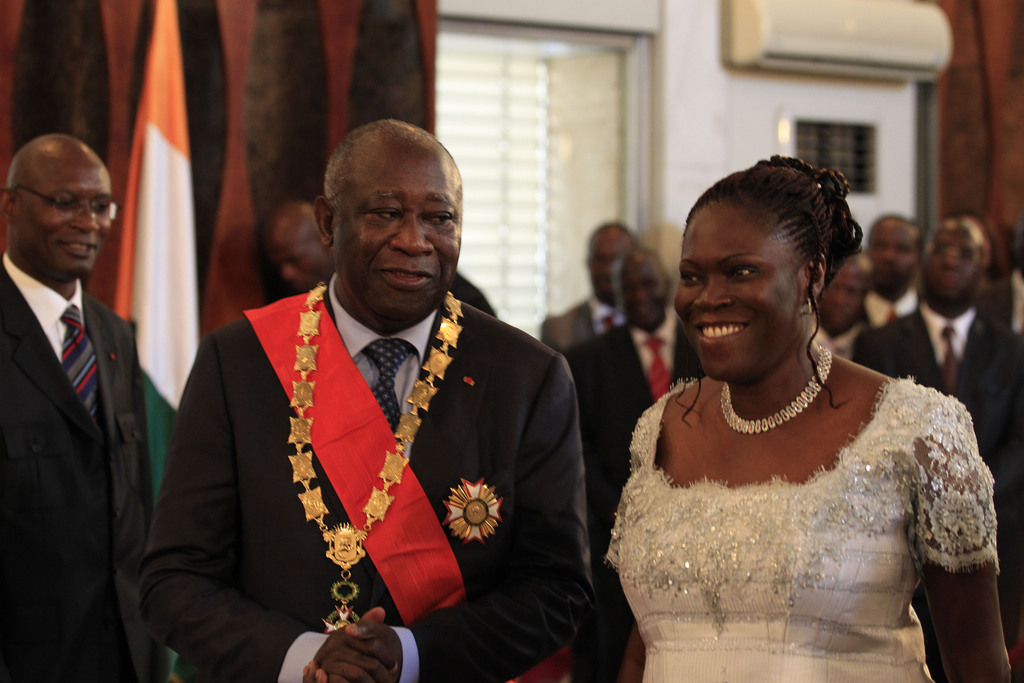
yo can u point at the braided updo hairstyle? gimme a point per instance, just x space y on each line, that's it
804 205
801 203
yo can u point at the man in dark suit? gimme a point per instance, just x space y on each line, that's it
619 375
841 308
292 247
75 484
985 372
600 313
894 248
1004 298
288 504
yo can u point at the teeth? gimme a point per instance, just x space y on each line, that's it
715 331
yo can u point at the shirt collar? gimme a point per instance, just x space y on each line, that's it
357 335
47 305
666 332
877 307
1017 299
936 323
599 311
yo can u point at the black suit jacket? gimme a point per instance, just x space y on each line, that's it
234 573
613 393
991 387
575 326
75 502
996 301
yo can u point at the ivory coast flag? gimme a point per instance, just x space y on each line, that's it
156 285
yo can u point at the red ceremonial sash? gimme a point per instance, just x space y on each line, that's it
350 437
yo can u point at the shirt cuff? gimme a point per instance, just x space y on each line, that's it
410 656
301 653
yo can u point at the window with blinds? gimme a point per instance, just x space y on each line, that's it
535 126
844 146
492 116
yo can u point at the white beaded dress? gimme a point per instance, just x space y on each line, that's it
780 581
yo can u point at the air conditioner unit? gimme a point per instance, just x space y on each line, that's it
890 39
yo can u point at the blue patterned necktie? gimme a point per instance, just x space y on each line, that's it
388 353
79 359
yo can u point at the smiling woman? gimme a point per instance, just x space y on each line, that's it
791 490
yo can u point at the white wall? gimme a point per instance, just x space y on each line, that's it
711 121
707 121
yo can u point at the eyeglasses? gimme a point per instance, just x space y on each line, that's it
101 207
959 253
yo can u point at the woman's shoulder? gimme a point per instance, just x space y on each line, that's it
682 405
906 402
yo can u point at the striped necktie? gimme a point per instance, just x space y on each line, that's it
79 359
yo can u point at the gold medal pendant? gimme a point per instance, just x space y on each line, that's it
473 511
345 542
345 545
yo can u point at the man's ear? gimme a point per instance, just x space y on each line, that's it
7 200
324 220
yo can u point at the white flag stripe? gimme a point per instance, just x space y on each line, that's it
164 288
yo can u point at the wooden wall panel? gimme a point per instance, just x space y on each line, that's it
981 106
121 24
232 278
272 86
10 22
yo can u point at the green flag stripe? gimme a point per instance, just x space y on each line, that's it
159 422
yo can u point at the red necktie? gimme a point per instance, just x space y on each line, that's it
950 363
657 377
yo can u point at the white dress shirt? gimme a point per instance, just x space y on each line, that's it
1017 299
600 312
879 309
936 323
47 305
666 332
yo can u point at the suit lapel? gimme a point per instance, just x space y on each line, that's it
106 350
631 369
583 323
919 354
34 356
980 353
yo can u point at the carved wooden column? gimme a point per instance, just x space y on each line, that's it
10 21
976 117
271 87
120 19
232 281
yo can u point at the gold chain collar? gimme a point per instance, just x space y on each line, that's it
345 542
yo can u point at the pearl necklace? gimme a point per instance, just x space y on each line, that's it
737 423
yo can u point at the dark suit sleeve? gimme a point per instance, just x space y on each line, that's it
191 599
602 494
870 351
545 592
1007 462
